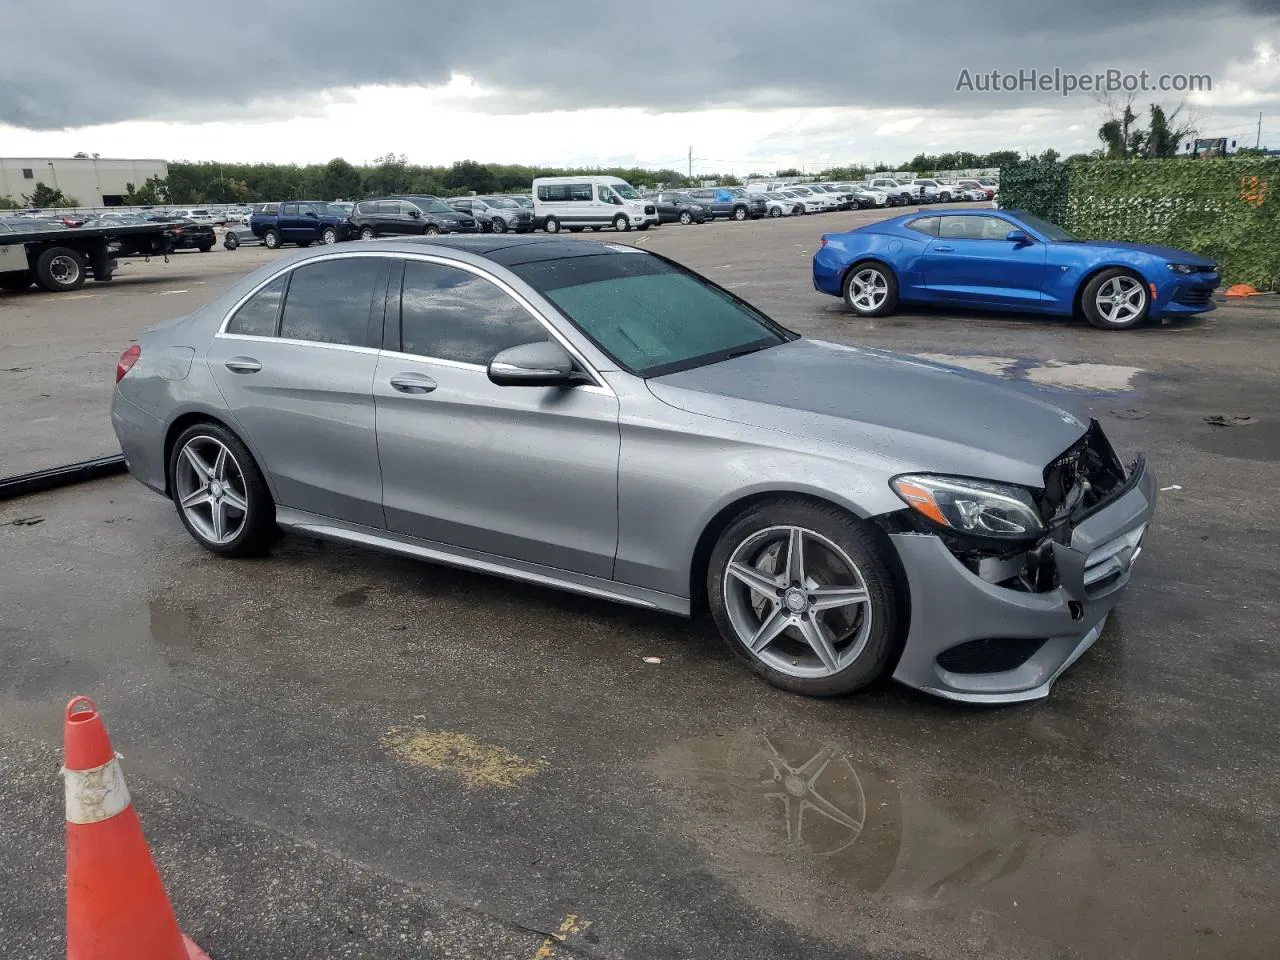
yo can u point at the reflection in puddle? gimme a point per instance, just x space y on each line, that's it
813 834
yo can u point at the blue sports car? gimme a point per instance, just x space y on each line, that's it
1009 260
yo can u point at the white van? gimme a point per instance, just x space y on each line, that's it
595 202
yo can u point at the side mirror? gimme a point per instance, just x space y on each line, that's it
544 364
312 215
1019 237
415 214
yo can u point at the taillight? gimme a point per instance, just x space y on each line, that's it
127 360
822 241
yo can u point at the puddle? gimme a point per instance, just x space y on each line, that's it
850 850
1252 441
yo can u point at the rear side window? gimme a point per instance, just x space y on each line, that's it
926 225
553 192
330 301
580 191
257 316
451 314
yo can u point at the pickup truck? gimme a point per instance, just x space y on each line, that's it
303 222
730 203
60 259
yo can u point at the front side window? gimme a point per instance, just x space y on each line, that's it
607 195
451 314
329 301
257 315
626 191
650 316
974 228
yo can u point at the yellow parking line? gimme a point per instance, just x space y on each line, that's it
570 925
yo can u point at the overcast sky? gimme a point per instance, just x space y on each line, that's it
561 82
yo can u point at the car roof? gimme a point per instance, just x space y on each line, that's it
513 249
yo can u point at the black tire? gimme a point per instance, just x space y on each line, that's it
1089 306
499 225
944 197
205 247
271 239
259 530
621 223
552 225
775 211
576 229
231 241
596 229
873 558
16 281
368 233
103 265
329 235
643 227
304 244
740 213
60 269
890 301
685 217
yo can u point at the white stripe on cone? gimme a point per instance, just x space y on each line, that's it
95 795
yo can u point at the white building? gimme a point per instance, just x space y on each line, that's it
93 182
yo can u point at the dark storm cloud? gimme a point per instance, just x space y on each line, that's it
202 60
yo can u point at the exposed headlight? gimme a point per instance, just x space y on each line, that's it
974 507
1183 268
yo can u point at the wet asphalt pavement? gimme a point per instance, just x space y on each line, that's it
340 753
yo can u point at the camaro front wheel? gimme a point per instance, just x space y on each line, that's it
870 289
804 593
1115 300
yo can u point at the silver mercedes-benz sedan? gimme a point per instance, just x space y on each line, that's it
595 417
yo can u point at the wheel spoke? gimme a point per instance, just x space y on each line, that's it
197 462
819 639
220 464
829 810
218 518
795 557
770 627
812 768
234 500
827 598
757 580
195 499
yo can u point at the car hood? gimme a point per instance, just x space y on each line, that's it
1172 254
906 413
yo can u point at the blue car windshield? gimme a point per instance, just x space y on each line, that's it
650 316
1050 231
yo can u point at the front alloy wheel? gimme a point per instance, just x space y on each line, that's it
802 592
1116 300
329 235
366 233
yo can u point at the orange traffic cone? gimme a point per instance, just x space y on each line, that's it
116 905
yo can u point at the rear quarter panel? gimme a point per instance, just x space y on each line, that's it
901 249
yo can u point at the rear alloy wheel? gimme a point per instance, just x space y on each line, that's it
329 235
60 269
366 233
804 593
271 240
221 497
870 289
621 223
552 225
685 217
1115 300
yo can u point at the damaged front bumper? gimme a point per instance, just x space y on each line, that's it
982 642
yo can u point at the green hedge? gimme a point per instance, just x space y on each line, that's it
1225 209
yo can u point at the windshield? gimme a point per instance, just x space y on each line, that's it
650 316
801 191
501 202
434 206
1050 231
625 191
521 201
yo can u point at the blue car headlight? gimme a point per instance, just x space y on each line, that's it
976 507
1183 268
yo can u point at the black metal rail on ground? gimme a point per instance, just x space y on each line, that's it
24 484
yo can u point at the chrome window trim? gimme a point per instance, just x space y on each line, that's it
253 338
600 383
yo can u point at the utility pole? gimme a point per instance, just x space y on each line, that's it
1258 143
691 158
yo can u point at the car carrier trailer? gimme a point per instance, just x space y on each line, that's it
62 259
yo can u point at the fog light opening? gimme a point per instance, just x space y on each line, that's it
1076 608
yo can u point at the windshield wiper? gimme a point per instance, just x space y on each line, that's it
746 350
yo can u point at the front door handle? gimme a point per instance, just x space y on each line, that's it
944 249
412 383
243 365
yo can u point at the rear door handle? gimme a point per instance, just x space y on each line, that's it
944 249
243 365
413 383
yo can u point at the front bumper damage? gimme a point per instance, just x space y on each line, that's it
982 642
